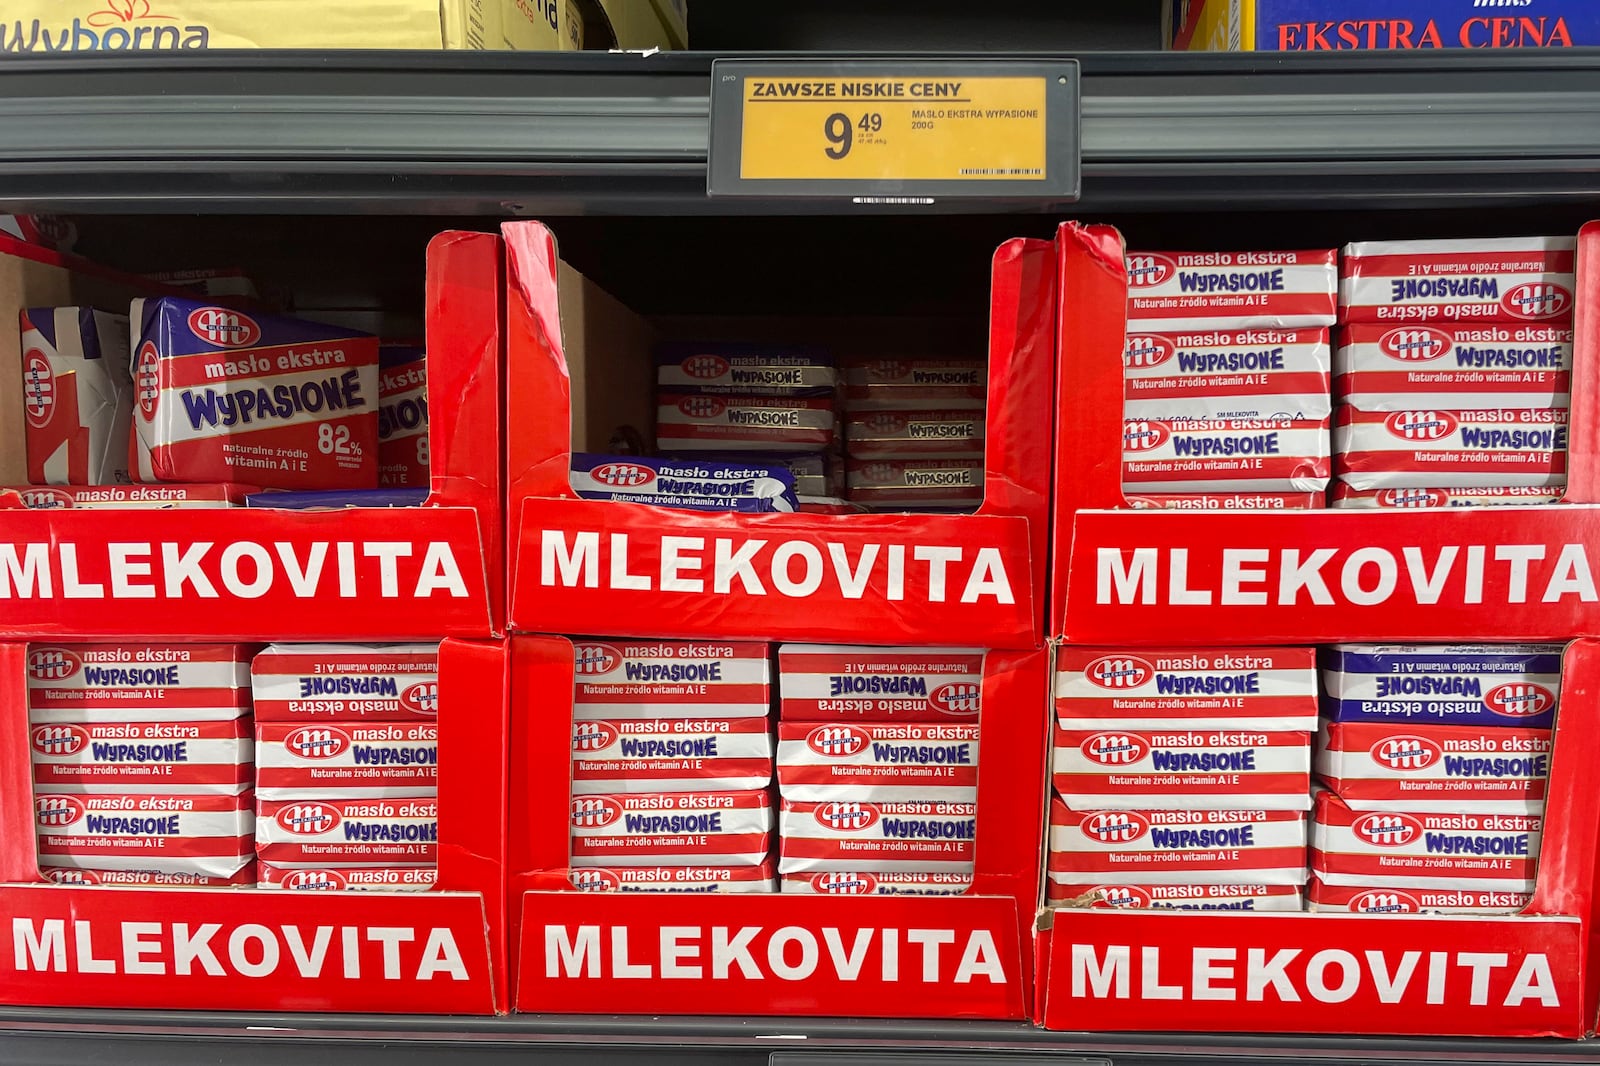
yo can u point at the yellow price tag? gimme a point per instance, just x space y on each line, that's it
894 129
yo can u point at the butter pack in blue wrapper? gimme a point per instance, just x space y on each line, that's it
685 483
746 370
1450 684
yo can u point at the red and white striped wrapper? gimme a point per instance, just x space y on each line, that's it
402 417
349 878
1259 689
845 682
1451 449
881 883
346 683
1396 766
1396 368
129 497
888 483
1506 279
1447 850
192 758
375 760
136 682
244 877
1344 496
671 829
1276 898
1225 455
883 760
671 755
686 422
1232 290
1227 374
715 879
206 835
1177 847
1225 501
846 837
916 384
1221 769
915 434
670 679
1411 899
77 397
314 834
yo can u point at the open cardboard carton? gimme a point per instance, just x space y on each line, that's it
580 365
1127 578
436 952
370 573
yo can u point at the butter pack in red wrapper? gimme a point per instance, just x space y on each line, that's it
1422 448
716 879
926 434
402 417
1226 455
885 484
627 679
206 835
878 760
1175 689
221 395
1224 501
918 837
349 879
1177 847
671 829
346 682
1344 496
1503 279
1175 897
312 834
1394 368
852 683
243 877
1191 290
126 497
1497 852
137 682
1222 769
689 422
1411 899
152 757
1261 373
371 759
916 384
1401 766
670 755
77 398
881 883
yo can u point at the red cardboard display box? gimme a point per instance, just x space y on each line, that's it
242 949
960 956
262 574
1128 578
579 366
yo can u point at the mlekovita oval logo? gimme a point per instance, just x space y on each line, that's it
704 367
421 698
224 328
1119 672
55 812
1114 827
1142 351
39 498
1519 699
147 379
1406 753
1537 300
1385 901
308 819
317 742
1115 749
1144 436
1413 498
591 659
38 389
701 406
957 697
889 370
837 741
594 812
1414 344
1146 270
63 876
844 884
885 422
594 880
1124 897
1387 830
52 664
623 475
314 881
593 736
1421 425
59 741
846 817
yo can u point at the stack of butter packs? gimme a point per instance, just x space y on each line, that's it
347 744
1434 760
915 432
1182 778
1454 372
142 763
1226 366
878 768
208 402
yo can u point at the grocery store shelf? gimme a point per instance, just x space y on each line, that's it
132 1038
597 133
